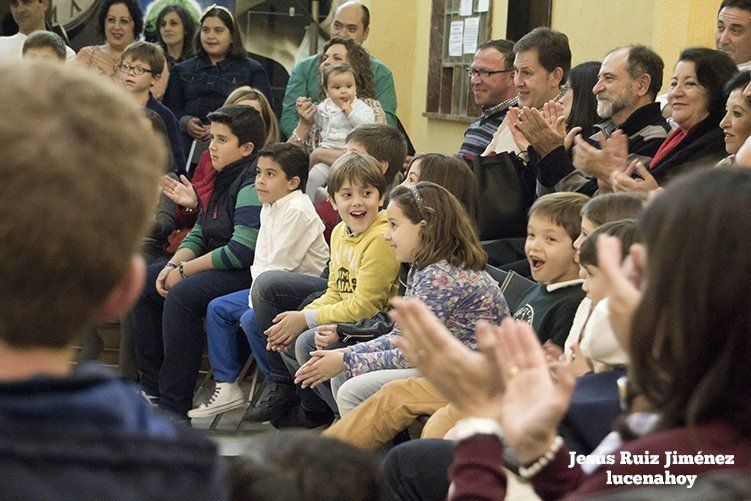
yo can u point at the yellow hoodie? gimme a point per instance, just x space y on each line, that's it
363 275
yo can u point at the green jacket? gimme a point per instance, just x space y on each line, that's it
305 81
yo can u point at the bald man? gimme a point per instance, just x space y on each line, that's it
351 20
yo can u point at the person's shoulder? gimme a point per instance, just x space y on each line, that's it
306 64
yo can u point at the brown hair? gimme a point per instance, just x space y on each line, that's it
41 39
247 92
149 53
690 348
448 234
236 49
356 168
359 60
563 209
383 142
626 230
454 174
613 206
60 257
337 69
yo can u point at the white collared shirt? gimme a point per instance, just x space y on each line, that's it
290 238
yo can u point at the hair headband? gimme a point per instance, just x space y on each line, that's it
418 201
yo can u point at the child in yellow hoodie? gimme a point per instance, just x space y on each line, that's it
363 272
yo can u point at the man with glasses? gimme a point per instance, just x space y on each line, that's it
491 77
29 16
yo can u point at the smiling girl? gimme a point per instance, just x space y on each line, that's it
430 230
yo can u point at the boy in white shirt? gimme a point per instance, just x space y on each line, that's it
290 239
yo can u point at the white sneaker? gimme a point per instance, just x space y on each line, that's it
226 396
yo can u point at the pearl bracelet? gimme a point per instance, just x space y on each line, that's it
544 460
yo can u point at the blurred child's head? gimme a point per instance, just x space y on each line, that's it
236 132
383 142
339 84
256 99
64 269
282 169
157 125
554 223
606 208
44 45
428 224
452 173
594 284
141 64
356 190
300 466
689 344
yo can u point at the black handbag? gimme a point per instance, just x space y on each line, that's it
506 192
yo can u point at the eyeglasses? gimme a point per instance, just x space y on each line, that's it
484 73
137 70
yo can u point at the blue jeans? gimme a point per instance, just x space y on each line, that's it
275 292
222 316
168 332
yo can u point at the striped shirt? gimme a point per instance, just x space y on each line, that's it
238 253
478 135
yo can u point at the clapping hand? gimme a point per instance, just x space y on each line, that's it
623 181
507 380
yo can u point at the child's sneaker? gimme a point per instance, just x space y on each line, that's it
226 396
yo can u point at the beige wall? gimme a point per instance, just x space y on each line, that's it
401 34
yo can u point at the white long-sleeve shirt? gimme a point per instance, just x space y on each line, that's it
290 238
335 125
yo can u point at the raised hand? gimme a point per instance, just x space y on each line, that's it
507 380
197 130
593 161
306 109
181 192
516 134
543 136
623 283
623 181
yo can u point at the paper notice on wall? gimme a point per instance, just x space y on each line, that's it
471 31
465 8
455 38
483 5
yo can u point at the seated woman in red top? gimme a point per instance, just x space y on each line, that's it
686 324
698 104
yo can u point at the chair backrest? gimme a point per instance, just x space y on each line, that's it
513 286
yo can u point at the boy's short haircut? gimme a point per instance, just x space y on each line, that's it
384 143
627 230
45 39
613 206
562 209
243 121
358 169
60 257
336 69
297 465
147 52
293 160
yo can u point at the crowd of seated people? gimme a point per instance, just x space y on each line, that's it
357 277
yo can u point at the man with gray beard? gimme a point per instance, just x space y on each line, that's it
627 85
